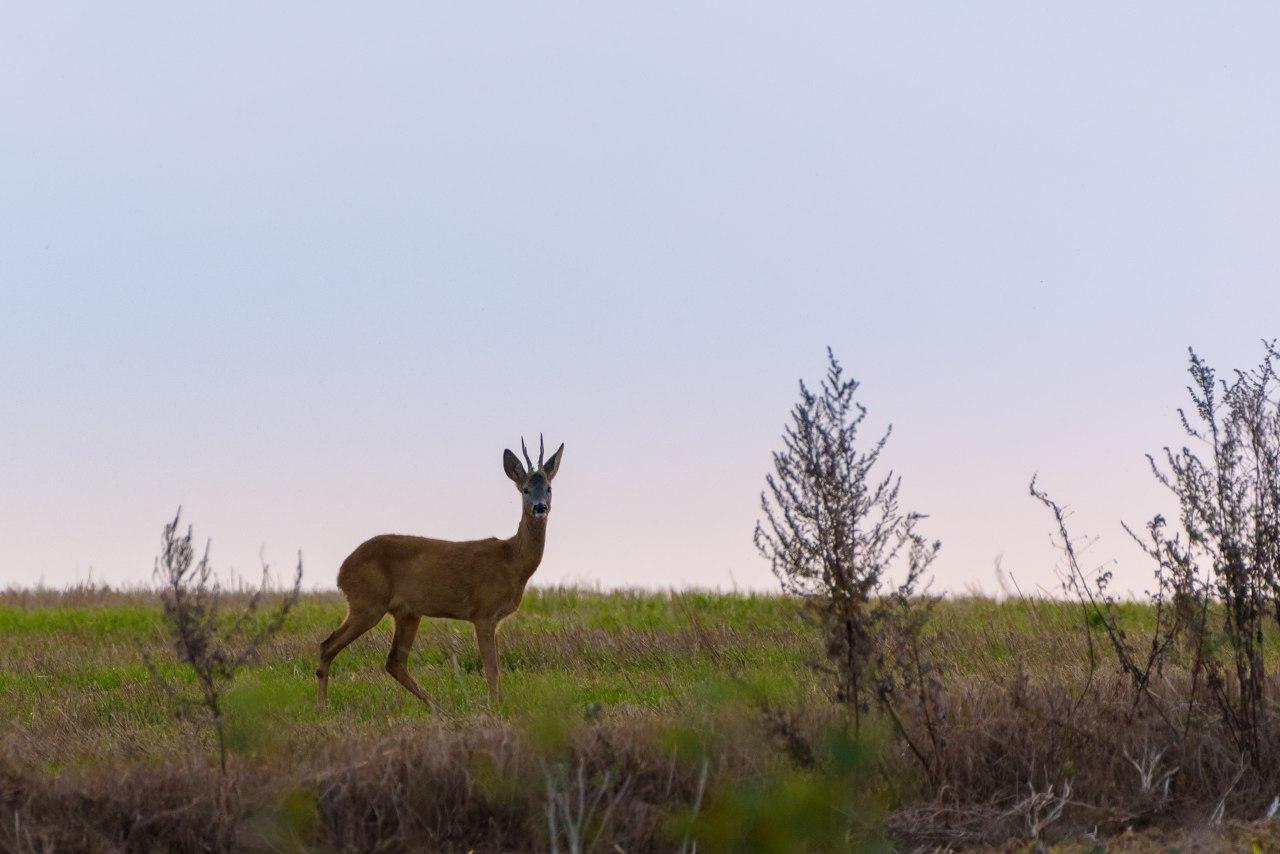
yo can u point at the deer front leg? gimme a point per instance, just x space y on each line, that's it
487 640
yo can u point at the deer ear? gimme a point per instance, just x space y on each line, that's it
514 468
551 466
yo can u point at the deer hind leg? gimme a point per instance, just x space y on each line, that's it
398 660
356 624
487 640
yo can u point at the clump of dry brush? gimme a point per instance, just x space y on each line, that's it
1188 705
1221 571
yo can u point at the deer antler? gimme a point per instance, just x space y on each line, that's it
542 449
528 462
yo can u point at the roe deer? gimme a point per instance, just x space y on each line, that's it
481 581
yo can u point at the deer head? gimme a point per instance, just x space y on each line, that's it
533 482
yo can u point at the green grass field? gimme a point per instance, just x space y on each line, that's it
73 683
74 686
78 704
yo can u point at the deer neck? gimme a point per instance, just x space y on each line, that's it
530 539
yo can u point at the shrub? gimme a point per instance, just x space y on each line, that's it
834 534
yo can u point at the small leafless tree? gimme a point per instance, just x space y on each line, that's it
835 534
213 644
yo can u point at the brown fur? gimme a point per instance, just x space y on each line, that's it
481 581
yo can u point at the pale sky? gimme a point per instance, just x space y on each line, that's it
306 269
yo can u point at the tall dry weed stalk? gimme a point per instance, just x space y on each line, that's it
214 645
834 532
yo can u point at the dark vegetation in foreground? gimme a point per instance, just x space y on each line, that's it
642 721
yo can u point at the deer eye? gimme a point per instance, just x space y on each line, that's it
526 490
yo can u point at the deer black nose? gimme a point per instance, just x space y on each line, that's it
539 508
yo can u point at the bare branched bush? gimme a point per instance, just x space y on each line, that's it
1217 571
214 645
1201 721
1222 568
835 534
